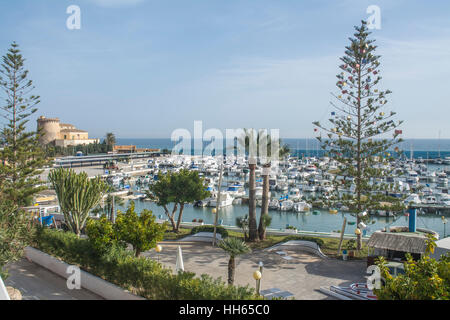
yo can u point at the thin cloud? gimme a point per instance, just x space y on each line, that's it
117 3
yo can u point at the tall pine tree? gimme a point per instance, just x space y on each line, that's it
21 157
360 135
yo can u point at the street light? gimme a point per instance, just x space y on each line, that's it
357 231
261 267
444 221
158 249
257 276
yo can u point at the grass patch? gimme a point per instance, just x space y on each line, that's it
172 236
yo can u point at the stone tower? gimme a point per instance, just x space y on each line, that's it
50 129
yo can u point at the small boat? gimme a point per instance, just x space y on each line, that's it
225 200
333 211
430 200
236 190
309 188
201 203
412 198
286 205
301 206
294 194
274 204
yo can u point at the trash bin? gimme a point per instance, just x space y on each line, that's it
344 254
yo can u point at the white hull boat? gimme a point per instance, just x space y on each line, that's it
302 206
225 200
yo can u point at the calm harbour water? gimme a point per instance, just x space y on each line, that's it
323 222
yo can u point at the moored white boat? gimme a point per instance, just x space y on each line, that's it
225 200
286 205
302 206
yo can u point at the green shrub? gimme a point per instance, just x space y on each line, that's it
16 232
220 230
141 231
140 275
101 233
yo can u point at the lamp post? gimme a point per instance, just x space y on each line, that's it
158 249
357 232
216 209
444 221
261 267
257 276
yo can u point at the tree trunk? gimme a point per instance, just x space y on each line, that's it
231 269
137 252
179 217
253 232
265 203
170 216
112 215
358 161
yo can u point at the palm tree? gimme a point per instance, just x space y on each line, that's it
234 247
110 140
262 139
107 207
77 195
265 219
245 141
242 222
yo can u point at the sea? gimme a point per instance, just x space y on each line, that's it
415 148
323 221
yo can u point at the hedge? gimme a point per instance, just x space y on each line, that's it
142 276
220 230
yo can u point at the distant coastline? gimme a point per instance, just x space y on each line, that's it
425 148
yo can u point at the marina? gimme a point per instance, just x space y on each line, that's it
297 186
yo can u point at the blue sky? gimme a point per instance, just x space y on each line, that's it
142 68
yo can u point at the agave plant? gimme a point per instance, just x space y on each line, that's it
77 195
234 247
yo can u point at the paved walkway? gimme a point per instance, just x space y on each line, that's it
37 283
303 275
